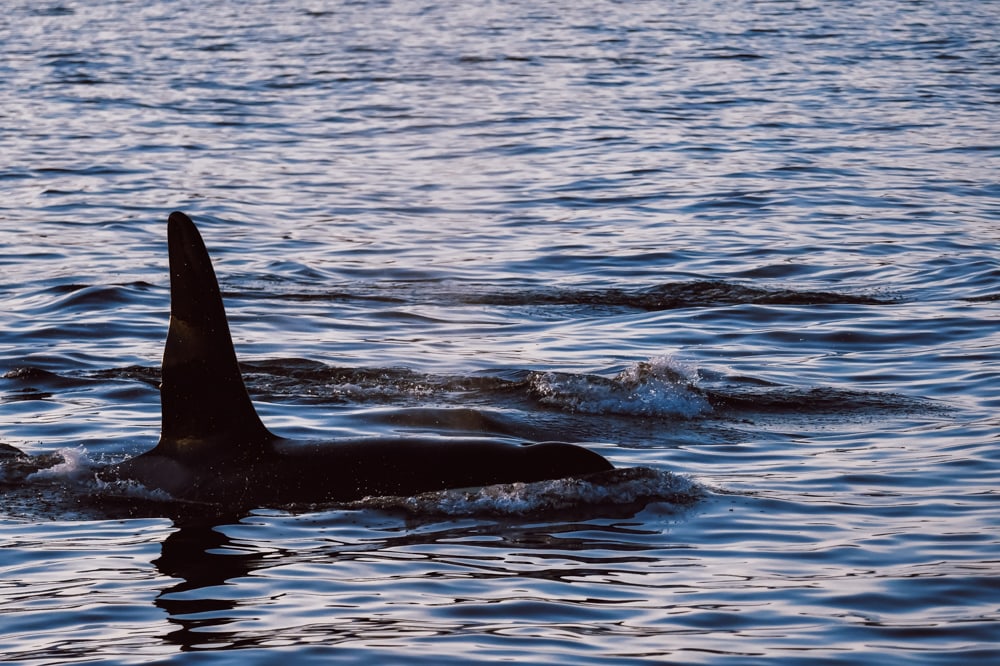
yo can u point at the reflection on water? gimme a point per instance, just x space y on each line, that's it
201 557
216 602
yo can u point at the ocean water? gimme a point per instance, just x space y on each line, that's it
748 251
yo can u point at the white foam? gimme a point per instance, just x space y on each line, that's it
75 463
661 386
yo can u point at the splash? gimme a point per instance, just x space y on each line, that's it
68 464
61 465
614 488
69 469
661 387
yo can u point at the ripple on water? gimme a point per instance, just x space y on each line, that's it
504 219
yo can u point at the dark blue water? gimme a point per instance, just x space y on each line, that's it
751 248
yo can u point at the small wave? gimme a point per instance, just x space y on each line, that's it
314 382
615 488
40 377
27 373
816 400
661 387
675 295
666 296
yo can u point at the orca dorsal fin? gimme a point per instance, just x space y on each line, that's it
202 395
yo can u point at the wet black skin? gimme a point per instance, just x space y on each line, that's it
214 448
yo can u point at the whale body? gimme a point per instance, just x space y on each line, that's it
214 447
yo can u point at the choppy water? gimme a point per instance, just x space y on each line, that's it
749 248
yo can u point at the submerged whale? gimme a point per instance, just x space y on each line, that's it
214 448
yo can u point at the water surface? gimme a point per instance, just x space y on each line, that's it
751 247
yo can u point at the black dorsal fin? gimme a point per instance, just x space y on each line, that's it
202 395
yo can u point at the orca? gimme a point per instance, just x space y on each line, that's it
214 448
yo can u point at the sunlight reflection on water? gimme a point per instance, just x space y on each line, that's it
418 213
